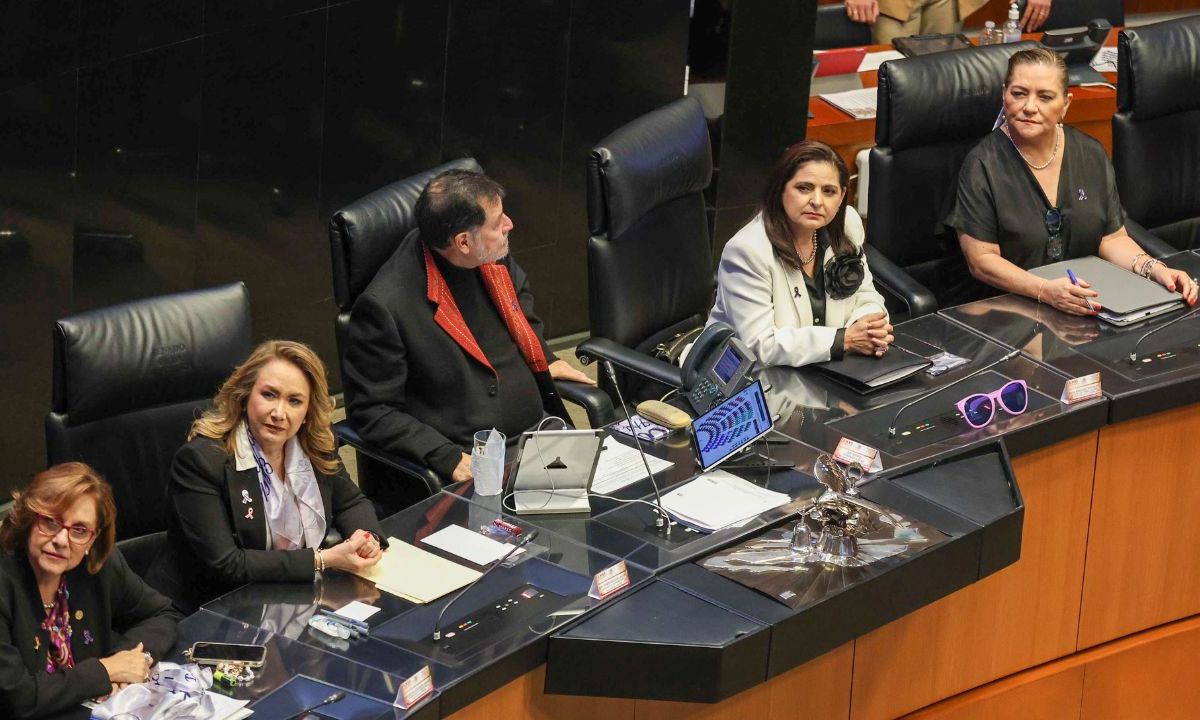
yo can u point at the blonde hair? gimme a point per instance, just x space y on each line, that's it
1037 56
229 405
50 493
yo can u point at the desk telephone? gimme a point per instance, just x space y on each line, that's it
717 366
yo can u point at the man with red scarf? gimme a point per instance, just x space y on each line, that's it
444 341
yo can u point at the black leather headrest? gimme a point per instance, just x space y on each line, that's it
942 97
149 352
365 233
652 160
1159 68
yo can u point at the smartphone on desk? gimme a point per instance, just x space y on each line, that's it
212 653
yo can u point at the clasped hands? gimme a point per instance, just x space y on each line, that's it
869 335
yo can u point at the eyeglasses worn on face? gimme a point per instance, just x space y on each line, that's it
78 534
1054 223
979 409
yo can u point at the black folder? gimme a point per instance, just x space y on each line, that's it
867 373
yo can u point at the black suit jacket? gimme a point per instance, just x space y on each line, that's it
410 388
212 544
110 611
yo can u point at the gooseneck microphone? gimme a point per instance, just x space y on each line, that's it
926 396
1133 353
336 697
662 521
437 626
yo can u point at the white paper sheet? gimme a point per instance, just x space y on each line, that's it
471 546
1105 60
872 61
357 610
621 465
717 499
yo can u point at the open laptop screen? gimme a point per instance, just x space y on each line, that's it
731 426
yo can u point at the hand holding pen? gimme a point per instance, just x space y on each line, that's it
1075 281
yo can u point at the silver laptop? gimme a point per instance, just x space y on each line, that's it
554 471
1126 298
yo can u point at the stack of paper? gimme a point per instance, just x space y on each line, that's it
1105 60
860 104
622 465
416 575
872 61
717 499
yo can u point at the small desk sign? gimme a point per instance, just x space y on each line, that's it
1086 387
415 689
609 581
848 452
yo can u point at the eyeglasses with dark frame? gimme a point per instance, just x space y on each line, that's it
77 534
1054 223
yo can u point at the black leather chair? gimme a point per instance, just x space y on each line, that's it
1156 131
128 381
835 29
1078 13
932 110
362 236
650 266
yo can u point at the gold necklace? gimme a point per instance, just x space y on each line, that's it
813 254
1053 155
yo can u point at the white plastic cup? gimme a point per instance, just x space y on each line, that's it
487 461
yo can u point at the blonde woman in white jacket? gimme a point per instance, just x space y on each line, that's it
794 283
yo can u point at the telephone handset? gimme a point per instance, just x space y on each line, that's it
717 366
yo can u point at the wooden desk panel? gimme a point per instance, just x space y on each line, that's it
1143 566
1023 615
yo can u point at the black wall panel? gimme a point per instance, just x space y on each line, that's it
148 147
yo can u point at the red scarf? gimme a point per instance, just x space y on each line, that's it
500 288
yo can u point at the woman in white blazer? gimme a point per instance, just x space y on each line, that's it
794 283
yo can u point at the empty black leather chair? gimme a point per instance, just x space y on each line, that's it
650 265
835 29
1156 131
932 110
128 381
362 236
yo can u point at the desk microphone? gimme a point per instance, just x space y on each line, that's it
662 521
926 396
1133 353
437 626
336 697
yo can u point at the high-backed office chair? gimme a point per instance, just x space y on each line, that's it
835 29
1156 131
128 381
650 265
1077 13
932 110
362 236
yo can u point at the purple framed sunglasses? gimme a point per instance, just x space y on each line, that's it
979 409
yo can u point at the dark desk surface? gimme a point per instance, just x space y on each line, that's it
1167 374
819 411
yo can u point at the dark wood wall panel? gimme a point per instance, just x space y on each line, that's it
148 147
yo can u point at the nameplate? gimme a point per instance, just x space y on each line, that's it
415 689
609 581
849 452
1086 387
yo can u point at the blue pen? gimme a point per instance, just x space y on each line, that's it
1075 282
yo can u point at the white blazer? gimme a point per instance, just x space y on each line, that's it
756 296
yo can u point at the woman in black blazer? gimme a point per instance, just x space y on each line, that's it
71 631
258 484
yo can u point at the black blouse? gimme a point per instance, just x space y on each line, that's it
815 285
1000 201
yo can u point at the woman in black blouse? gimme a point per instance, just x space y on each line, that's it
1034 192
71 630
257 486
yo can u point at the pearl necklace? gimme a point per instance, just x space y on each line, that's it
1057 130
813 254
